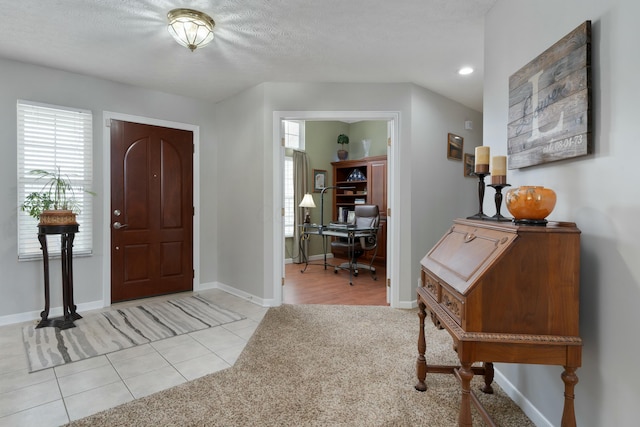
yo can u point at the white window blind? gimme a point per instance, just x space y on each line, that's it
52 137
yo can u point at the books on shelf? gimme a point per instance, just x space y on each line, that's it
359 201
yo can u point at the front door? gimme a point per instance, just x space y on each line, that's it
151 210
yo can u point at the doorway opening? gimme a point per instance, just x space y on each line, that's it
290 273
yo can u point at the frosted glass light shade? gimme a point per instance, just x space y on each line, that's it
190 28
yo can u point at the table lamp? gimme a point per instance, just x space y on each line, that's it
306 203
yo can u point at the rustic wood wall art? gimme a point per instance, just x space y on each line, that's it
550 104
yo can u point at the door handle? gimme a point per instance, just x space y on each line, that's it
118 226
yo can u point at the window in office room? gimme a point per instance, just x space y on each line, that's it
293 140
51 137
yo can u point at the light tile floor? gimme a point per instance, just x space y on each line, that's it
55 396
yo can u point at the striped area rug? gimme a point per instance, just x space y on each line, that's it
110 331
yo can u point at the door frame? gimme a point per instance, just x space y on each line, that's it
393 183
106 191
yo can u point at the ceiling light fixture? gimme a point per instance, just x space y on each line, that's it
190 28
465 71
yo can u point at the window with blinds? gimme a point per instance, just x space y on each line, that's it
293 138
52 137
288 197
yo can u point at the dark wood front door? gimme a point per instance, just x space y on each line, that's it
151 210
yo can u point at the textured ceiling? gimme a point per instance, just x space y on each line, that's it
382 41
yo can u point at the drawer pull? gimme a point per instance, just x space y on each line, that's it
469 237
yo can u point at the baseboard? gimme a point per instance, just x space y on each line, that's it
407 305
311 258
236 292
53 312
205 286
95 305
525 404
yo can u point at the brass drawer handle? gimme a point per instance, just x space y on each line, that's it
469 237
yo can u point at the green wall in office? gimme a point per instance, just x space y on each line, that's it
375 131
321 148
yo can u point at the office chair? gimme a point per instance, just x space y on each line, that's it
366 216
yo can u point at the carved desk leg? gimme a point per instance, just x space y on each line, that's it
488 378
466 374
570 379
421 363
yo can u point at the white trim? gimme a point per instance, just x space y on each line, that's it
278 208
239 293
29 316
312 258
519 399
393 185
106 176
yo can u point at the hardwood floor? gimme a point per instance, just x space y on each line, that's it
319 286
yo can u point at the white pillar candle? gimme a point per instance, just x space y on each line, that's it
499 170
499 165
482 159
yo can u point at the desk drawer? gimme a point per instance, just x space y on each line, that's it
450 301
432 285
452 304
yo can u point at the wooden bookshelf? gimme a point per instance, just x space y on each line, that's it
368 177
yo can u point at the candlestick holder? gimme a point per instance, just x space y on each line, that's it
481 187
498 200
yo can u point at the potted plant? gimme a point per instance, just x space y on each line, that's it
55 203
343 140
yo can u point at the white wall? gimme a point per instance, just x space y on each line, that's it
440 192
598 192
242 214
21 283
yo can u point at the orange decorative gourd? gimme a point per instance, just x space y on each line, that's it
529 202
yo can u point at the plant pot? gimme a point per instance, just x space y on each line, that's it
343 154
58 217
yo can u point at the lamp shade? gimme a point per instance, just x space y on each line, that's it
307 201
190 28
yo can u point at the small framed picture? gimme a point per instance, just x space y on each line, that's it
454 147
319 180
469 164
351 217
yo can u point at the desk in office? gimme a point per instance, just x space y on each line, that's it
347 231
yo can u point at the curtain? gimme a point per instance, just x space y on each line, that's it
300 187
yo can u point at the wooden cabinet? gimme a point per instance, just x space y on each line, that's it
368 179
505 293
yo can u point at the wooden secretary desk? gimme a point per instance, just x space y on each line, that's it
505 293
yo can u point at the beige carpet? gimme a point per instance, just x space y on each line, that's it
319 365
